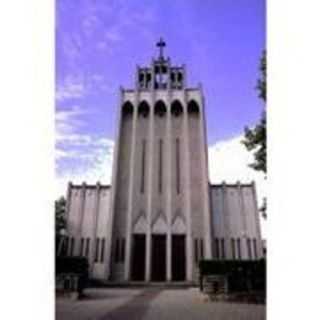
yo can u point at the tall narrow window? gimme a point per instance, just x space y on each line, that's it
97 250
255 248
223 254
160 166
196 259
239 248
217 248
123 247
233 248
201 249
87 247
82 247
65 247
178 164
71 246
117 251
249 249
143 160
102 249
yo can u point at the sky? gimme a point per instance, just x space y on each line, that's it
98 45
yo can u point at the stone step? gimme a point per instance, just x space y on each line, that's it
138 284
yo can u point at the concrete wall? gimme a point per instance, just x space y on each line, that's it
87 221
233 210
235 216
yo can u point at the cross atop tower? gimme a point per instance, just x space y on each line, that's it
161 44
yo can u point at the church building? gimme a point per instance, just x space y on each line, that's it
161 215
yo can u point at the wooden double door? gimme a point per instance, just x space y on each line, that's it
159 258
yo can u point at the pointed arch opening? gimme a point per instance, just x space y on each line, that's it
193 108
176 108
160 108
143 109
127 109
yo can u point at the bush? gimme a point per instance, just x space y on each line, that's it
73 268
243 275
78 265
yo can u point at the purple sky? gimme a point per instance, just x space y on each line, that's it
99 43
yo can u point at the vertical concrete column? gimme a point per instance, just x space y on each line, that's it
127 262
189 251
257 220
69 193
149 186
77 237
205 181
109 229
243 214
94 233
168 154
225 213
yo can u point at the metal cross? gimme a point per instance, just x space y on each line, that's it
161 44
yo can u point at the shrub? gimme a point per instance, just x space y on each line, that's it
243 275
78 265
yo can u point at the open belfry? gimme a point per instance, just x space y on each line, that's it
161 215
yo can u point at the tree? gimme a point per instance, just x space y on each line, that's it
60 212
262 82
256 138
60 223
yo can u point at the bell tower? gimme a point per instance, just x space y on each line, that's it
160 214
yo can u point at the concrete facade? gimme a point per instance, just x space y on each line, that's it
160 194
233 217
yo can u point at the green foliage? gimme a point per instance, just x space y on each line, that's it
262 81
73 265
263 209
225 267
256 140
78 265
60 212
242 274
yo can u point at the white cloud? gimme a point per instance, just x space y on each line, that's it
67 123
88 157
98 168
229 160
70 87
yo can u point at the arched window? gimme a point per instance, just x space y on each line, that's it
127 109
193 108
143 109
176 108
160 108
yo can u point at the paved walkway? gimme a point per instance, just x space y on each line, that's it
152 304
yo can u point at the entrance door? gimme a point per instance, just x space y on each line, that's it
178 258
158 258
138 257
